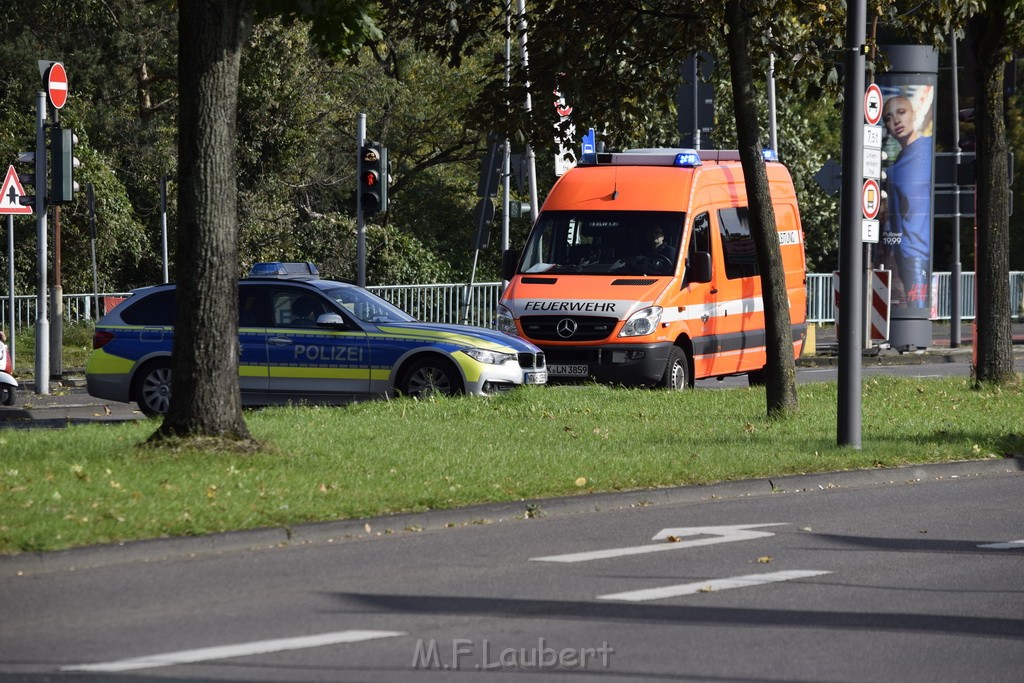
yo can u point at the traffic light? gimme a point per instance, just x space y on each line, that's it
373 178
28 178
490 168
62 165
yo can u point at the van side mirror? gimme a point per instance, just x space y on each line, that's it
509 258
698 267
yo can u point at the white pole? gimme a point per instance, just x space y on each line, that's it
529 156
10 284
773 135
42 365
163 224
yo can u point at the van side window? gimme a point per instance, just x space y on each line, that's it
737 243
700 238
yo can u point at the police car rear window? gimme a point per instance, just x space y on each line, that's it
155 309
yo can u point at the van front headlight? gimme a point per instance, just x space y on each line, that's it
642 323
504 322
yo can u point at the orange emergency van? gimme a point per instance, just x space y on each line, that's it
641 270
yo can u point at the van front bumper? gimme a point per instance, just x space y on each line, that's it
626 364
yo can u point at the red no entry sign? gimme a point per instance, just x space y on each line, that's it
57 85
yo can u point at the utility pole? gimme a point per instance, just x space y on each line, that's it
851 318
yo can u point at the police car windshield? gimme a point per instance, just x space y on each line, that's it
605 243
368 307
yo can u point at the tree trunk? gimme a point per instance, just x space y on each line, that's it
993 340
206 401
781 369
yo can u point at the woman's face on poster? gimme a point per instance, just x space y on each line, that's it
898 116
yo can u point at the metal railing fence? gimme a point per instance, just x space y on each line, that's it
447 302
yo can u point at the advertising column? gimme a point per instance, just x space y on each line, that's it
905 244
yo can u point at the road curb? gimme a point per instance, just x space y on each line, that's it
183 548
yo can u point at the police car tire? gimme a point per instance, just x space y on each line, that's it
7 395
677 371
429 374
146 387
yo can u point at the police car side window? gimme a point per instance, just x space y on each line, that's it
155 309
252 306
295 308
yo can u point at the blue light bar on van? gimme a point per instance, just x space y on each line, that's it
769 155
284 270
688 159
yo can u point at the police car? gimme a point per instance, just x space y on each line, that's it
303 339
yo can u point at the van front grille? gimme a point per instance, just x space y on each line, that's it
568 328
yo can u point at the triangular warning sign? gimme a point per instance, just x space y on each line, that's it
11 192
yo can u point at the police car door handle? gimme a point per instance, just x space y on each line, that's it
279 341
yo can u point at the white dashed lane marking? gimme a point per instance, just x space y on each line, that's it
226 651
711 586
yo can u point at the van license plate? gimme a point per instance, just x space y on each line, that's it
569 370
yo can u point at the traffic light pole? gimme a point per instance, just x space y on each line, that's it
42 365
360 221
57 289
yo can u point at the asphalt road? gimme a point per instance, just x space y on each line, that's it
908 575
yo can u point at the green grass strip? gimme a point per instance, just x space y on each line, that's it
94 484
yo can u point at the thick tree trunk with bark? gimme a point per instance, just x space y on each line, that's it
780 380
206 401
993 341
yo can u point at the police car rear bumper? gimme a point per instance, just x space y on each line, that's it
626 364
113 387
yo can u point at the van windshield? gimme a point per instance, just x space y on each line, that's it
604 243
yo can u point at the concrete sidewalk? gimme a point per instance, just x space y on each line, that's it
826 346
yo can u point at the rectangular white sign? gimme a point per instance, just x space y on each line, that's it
872 163
869 230
872 137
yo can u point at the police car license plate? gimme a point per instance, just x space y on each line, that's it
565 370
536 377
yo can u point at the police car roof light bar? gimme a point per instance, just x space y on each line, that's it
281 269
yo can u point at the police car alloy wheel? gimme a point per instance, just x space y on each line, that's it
6 395
431 376
153 388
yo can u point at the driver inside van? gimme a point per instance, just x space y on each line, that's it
656 244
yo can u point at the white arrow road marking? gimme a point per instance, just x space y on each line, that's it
1004 546
711 586
240 650
719 534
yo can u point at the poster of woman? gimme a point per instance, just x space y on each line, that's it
905 245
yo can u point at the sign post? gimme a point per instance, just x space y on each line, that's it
10 204
851 318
